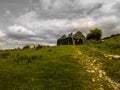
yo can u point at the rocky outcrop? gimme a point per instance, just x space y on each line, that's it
29 47
40 46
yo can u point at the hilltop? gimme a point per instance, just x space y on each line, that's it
94 66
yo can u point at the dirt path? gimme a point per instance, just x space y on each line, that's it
94 66
102 73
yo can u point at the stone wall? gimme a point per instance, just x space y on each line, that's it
72 39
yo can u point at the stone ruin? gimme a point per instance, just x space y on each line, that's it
72 39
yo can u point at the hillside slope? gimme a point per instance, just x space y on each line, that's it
84 67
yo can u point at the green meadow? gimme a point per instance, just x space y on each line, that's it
67 67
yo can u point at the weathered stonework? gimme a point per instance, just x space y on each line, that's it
72 39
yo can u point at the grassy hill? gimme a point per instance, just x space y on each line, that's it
84 67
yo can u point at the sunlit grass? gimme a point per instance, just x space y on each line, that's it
60 67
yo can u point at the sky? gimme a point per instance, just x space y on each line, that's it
32 22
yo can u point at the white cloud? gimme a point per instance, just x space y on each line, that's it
2 39
17 30
116 30
2 36
109 22
39 25
27 18
84 24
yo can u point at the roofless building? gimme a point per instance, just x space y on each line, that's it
72 39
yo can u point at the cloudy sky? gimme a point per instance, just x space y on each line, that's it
26 22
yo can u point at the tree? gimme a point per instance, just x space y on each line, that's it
94 34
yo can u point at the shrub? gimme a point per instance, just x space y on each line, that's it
5 55
49 50
94 34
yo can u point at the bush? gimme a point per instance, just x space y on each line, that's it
94 34
4 55
49 50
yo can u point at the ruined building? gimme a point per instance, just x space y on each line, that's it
72 39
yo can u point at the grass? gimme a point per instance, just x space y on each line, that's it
39 69
110 46
60 67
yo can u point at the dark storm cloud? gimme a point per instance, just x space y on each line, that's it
94 8
43 21
116 6
50 9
